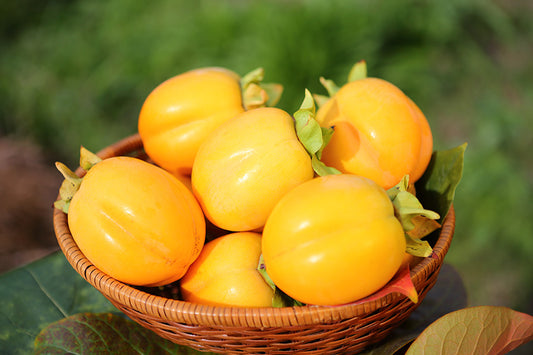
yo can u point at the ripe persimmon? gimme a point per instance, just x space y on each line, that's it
333 240
379 132
133 220
225 273
180 112
246 165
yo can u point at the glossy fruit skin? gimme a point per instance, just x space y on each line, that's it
246 166
225 274
178 114
136 222
380 133
333 240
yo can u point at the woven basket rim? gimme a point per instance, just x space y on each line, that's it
172 310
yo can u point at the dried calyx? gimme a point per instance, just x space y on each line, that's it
72 182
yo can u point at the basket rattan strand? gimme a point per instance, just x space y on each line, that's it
310 329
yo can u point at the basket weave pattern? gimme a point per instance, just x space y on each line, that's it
233 330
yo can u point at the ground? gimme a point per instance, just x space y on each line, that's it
29 184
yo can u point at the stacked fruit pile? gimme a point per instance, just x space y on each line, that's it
317 207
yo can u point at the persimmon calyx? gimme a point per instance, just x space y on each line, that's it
417 247
416 221
72 182
88 159
329 85
357 72
256 94
312 136
68 188
279 299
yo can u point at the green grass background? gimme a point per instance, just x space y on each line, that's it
77 72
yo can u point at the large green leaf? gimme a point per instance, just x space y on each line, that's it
49 290
38 294
103 333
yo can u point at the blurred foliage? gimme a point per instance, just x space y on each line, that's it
77 73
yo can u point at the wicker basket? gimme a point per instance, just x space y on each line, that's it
308 329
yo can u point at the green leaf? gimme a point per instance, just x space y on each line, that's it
436 188
103 333
448 295
313 137
38 294
475 330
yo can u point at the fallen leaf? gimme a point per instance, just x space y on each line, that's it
475 330
103 333
448 295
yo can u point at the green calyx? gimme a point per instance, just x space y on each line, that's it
313 137
416 221
257 94
72 182
357 72
279 299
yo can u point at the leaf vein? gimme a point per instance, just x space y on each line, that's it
47 294
119 333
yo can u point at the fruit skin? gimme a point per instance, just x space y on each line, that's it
225 273
246 166
333 240
136 222
179 113
380 133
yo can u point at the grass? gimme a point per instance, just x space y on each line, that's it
77 73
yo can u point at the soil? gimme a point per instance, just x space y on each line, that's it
29 184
